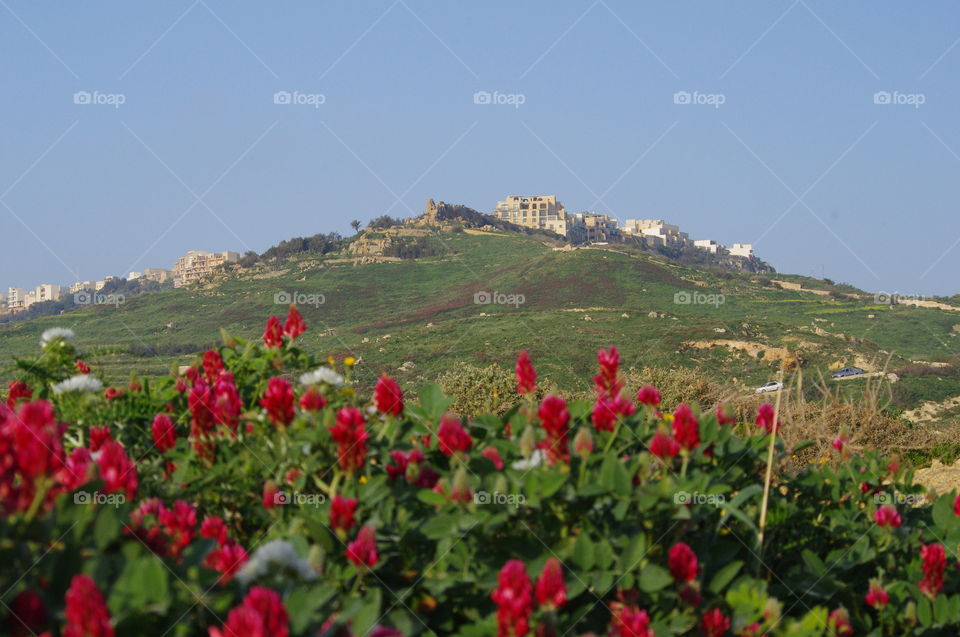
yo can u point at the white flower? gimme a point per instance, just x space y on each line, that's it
55 333
535 459
276 555
80 382
322 375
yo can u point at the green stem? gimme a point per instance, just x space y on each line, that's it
613 436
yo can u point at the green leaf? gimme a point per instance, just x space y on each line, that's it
439 526
924 612
604 553
943 516
724 576
583 553
107 527
654 578
431 497
614 476
814 564
433 401
550 483
636 550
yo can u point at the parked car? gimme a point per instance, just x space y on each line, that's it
847 371
768 387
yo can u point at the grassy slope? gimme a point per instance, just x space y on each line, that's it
423 311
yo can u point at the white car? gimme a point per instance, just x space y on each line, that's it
768 387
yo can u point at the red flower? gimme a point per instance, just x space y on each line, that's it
82 367
723 417
227 403
551 591
278 401
838 622
630 622
513 599
27 614
294 326
607 410
212 365
686 430
76 470
164 433
273 334
887 515
876 596
554 419
36 439
342 511
18 389
179 524
663 446
765 417
87 614
200 401
683 563
112 393
408 466
388 396
350 434
715 623
934 562
261 614
270 492
839 442
117 471
453 438
606 384
312 400
648 395
98 436
227 560
214 528
363 550
526 374
491 454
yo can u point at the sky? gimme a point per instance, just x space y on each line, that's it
825 133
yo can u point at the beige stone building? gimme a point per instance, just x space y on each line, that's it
658 231
539 211
198 264
742 250
591 227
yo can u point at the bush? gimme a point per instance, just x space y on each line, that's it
259 492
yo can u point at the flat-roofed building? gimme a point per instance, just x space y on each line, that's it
199 264
538 211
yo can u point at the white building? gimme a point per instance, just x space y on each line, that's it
133 276
710 246
99 284
16 297
81 285
47 292
742 250
658 231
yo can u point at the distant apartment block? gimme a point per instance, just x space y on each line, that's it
157 274
742 250
101 283
81 285
658 231
18 299
540 211
710 246
198 264
591 227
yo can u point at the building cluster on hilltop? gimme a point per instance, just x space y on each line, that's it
546 213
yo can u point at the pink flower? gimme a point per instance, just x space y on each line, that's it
683 563
212 365
18 389
261 614
839 442
312 400
117 471
765 418
86 611
278 401
350 434
551 591
270 492
663 446
630 622
342 511
887 515
491 454
606 411
27 614
98 436
388 397
227 560
838 622
714 623
273 333
934 562
513 599
876 596
77 469
179 524
82 367
214 528
956 505
294 325
164 433
363 550
453 438
526 375
648 395
686 430
112 393
723 417
227 403
554 418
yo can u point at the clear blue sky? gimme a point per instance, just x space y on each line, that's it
798 159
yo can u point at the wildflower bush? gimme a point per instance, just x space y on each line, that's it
258 494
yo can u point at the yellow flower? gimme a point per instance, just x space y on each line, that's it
349 361
331 360
363 479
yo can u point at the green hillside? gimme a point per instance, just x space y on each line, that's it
422 311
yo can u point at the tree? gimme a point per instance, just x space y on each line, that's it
355 224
